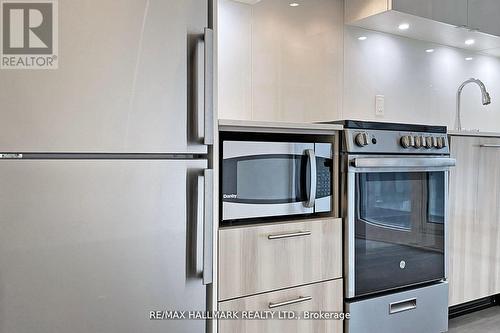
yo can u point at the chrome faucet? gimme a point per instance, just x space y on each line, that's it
485 97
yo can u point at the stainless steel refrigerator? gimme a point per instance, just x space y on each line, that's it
105 186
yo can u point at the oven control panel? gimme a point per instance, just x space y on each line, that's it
424 141
395 142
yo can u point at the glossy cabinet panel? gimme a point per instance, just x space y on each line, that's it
483 16
279 62
447 11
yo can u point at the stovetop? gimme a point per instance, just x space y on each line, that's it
365 137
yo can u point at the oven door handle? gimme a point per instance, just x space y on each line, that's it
312 180
403 162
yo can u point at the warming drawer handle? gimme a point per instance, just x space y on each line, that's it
409 162
487 145
293 301
290 235
401 306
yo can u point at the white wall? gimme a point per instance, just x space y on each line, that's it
278 62
419 87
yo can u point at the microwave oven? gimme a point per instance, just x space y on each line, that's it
275 179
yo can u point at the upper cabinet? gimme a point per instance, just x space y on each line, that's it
483 16
447 22
447 11
280 60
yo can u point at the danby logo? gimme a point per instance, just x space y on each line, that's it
29 34
229 196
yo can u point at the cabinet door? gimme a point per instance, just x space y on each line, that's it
268 257
447 11
483 15
325 296
473 247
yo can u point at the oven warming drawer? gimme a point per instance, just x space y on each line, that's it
414 311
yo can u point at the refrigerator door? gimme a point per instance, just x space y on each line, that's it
131 78
96 245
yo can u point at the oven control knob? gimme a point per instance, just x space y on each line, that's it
428 142
418 142
441 142
361 139
434 142
405 141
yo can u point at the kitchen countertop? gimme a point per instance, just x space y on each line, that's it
277 127
474 133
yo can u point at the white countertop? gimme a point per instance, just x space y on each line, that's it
474 133
277 127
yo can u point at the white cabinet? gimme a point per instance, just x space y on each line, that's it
483 16
446 11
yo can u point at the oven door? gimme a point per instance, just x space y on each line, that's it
265 179
396 218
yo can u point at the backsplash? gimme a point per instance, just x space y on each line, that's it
279 63
419 86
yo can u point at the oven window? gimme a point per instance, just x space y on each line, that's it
435 197
399 229
266 179
386 198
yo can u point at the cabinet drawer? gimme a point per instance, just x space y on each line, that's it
414 311
263 258
323 296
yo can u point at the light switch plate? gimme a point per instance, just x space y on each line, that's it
379 105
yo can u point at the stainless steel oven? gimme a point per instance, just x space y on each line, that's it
270 179
394 203
396 220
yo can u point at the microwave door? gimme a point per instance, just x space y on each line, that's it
265 179
323 177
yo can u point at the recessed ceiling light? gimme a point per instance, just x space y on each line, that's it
469 41
469 58
363 38
404 26
294 4
429 50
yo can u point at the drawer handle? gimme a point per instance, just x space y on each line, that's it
486 145
293 301
406 305
293 234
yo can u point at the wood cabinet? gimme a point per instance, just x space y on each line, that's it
446 11
266 257
474 219
324 296
287 266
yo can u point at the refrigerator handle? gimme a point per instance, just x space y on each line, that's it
209 87
205 223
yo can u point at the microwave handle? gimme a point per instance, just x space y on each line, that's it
313 177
